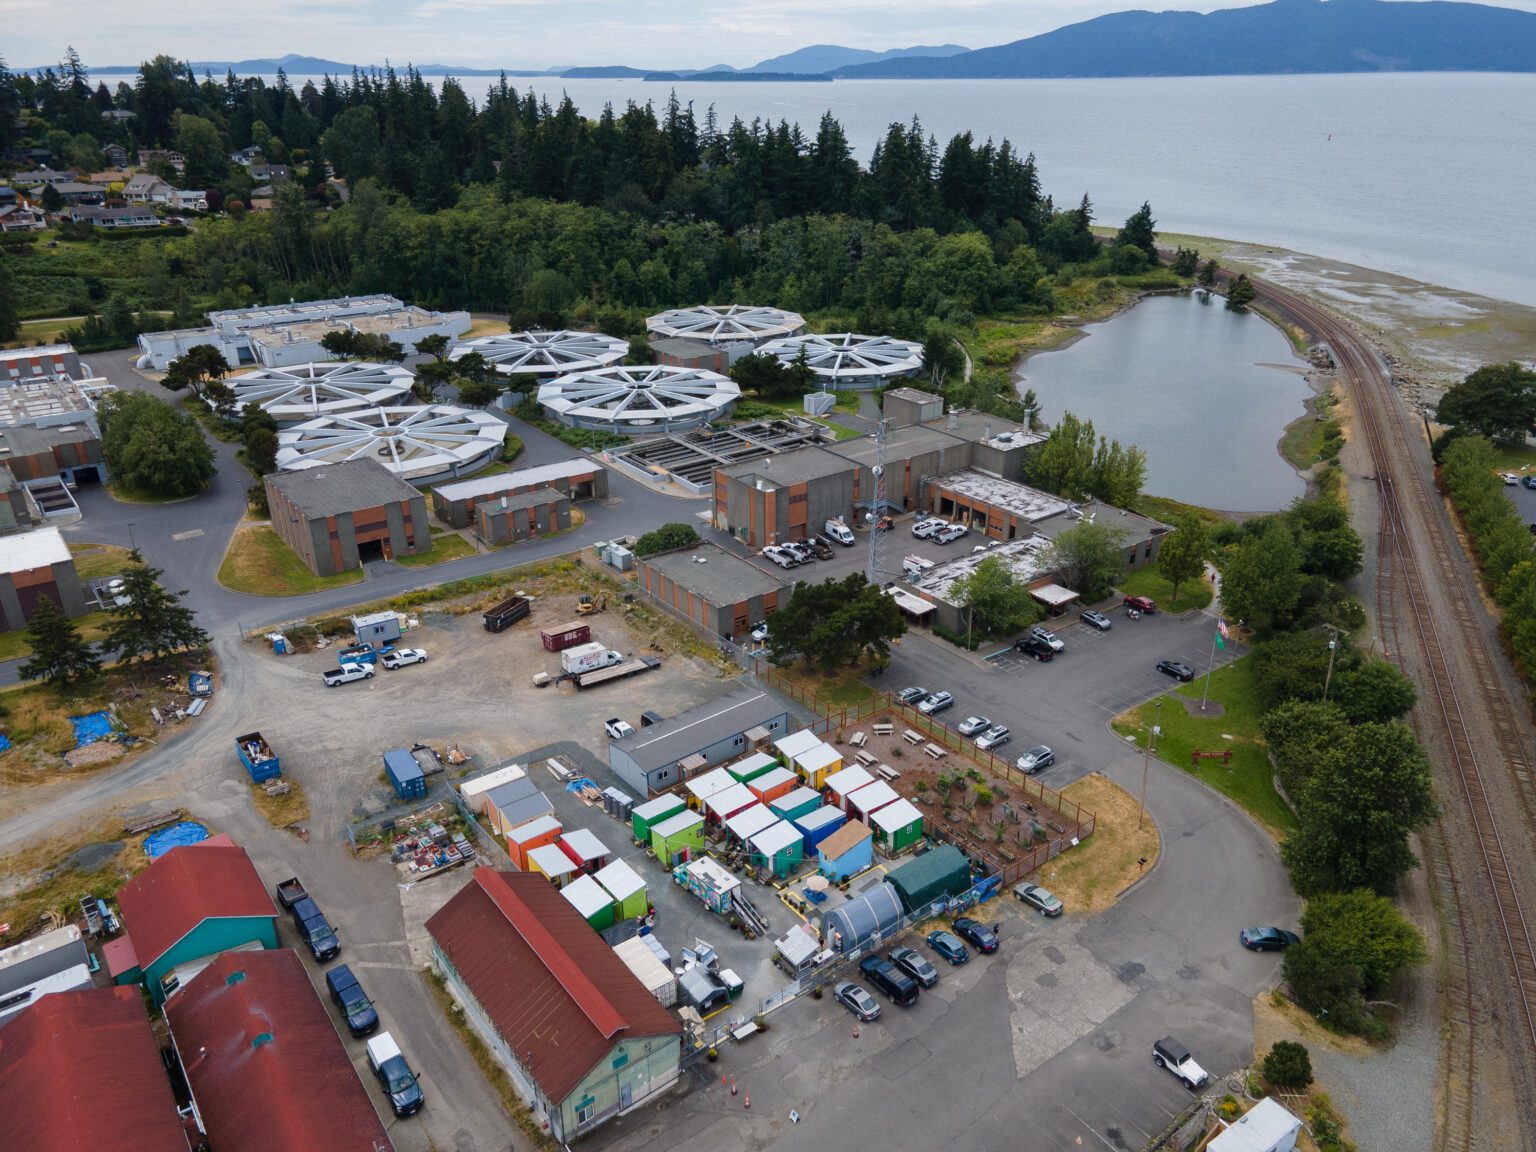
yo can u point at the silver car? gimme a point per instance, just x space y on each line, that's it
936 703
994 737
972 725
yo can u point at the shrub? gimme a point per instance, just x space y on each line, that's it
1288 1065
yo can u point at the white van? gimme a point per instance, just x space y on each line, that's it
839 532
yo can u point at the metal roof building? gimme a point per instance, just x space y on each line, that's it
851 360
544 354
267 1070
305 391
643 398
417 442
726 323
864 919
80 1071
714 732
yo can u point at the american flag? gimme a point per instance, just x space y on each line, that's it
1221 626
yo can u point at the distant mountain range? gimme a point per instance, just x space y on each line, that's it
1284 36
1287 36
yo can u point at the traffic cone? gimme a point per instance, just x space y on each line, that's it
725 1079
746 1101
733 1085
855 1029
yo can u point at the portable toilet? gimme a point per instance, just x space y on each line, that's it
623 883
800 802
586 851
841 785
816 764
817 825
870 799
549 860
779 848
405 774
847 852
589 898
749 822
773 783
749 769
679 837
792 745
534 834
377 629
644 817
897 826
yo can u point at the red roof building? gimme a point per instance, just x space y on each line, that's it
267 1070
580 1035
195 901
79 1071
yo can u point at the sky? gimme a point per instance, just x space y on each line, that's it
524 33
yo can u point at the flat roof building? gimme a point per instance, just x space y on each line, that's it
70 452
422 443
850 359
516 517
338 516
715 589
47 363
710 734
579 478
34 565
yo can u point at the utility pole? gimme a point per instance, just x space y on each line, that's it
1333 648
874 569
1146 758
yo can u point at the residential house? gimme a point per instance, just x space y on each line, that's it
189 200
79 192
270 173
116 155
21 218
133 216
246 156
580 1036
260 204
37 177
146 188
176 160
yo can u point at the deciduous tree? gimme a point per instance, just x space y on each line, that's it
1181 557
151 446
1262 579
1089 559
1354 946
998 605
1497 400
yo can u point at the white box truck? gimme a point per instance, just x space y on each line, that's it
588 658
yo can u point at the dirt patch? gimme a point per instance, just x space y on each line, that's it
1091 877
1276 1017
44 883
1210 712
92 856
281 809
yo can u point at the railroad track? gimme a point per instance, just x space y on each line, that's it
1403 606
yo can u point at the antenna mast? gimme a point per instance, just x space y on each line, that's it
874 570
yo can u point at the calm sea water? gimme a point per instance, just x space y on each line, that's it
1203 391
1426 175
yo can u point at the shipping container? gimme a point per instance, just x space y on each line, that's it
567 635
405 774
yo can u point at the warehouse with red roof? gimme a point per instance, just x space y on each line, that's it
194 902
578 1033
266 1067
79 1071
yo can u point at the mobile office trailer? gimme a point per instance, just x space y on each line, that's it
378 628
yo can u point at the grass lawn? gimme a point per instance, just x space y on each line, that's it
1248 779
1091 877
93 561
93 626
51 876
1147 581
1166 510
1515 458
291 807
258 563
445 546
127 494
841 689
34 332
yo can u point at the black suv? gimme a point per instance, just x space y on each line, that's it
898 987
1036 647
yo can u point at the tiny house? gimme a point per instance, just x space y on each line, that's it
644 817
749 769
589 898
773 783
841 785
778 848
623 883
800 802
818 824
526 837
551 861
897 826
818 764
679 837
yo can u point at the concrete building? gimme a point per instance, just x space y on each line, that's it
710 587
1266 1127
194 902
533 356
582 1039
34 565
664 754
639 399
784 497
17 513
81 1070
578 479
423 443
266 1068
678 353
70 452
903 406
51 403
524 516
282 335
307 391
339 516
21 364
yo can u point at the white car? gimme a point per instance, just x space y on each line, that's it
400 657
780 557
1048 638
760 633
972 725
950 532
1510 478
618 729
994 737
926 528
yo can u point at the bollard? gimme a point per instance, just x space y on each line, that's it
855 1029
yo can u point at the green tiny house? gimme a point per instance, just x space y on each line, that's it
779 848
676 835
897 826
644 817
623 883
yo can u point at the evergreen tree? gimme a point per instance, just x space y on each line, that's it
60 655
1240 293
10 318
1140 232
149 623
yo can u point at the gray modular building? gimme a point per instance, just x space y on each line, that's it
579 479
34 565
713 588
522 516
338 516
903 406
653 759
15 512
21 364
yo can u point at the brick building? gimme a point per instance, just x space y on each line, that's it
338 516
34 565
713 588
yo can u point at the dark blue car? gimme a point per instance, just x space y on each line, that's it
977 934
949 946
1267 939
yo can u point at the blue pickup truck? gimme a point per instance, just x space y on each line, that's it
319 937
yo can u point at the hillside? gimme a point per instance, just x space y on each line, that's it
829 57
1286 36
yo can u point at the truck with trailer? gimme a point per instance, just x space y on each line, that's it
620 671
319 937
588 658
261 763
500 617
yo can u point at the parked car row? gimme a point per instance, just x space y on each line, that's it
938 529
901 976
358 662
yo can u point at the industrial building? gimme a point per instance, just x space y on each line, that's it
339 516
265 1067
305 391
689 459
282 335
422 443
192 903
739 324
34 565
676 353
577 479
582 1039
534 356
18 365
55 961
522 516
640 399
69 452
42 402
849 359
81 1070
667 753
710 587
903 406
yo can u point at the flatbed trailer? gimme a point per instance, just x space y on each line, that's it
615 671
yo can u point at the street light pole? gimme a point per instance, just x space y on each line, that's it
1146 757
1333 647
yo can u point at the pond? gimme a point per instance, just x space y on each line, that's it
1204 392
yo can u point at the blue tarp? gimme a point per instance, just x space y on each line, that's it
577 785
157 844
91 727
5 743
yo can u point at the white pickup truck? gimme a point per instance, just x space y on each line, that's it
347 673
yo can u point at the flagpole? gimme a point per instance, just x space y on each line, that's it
1209 665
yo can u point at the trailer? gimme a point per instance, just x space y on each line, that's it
261 763
618 671
588 658
567 635
500 617
290 892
